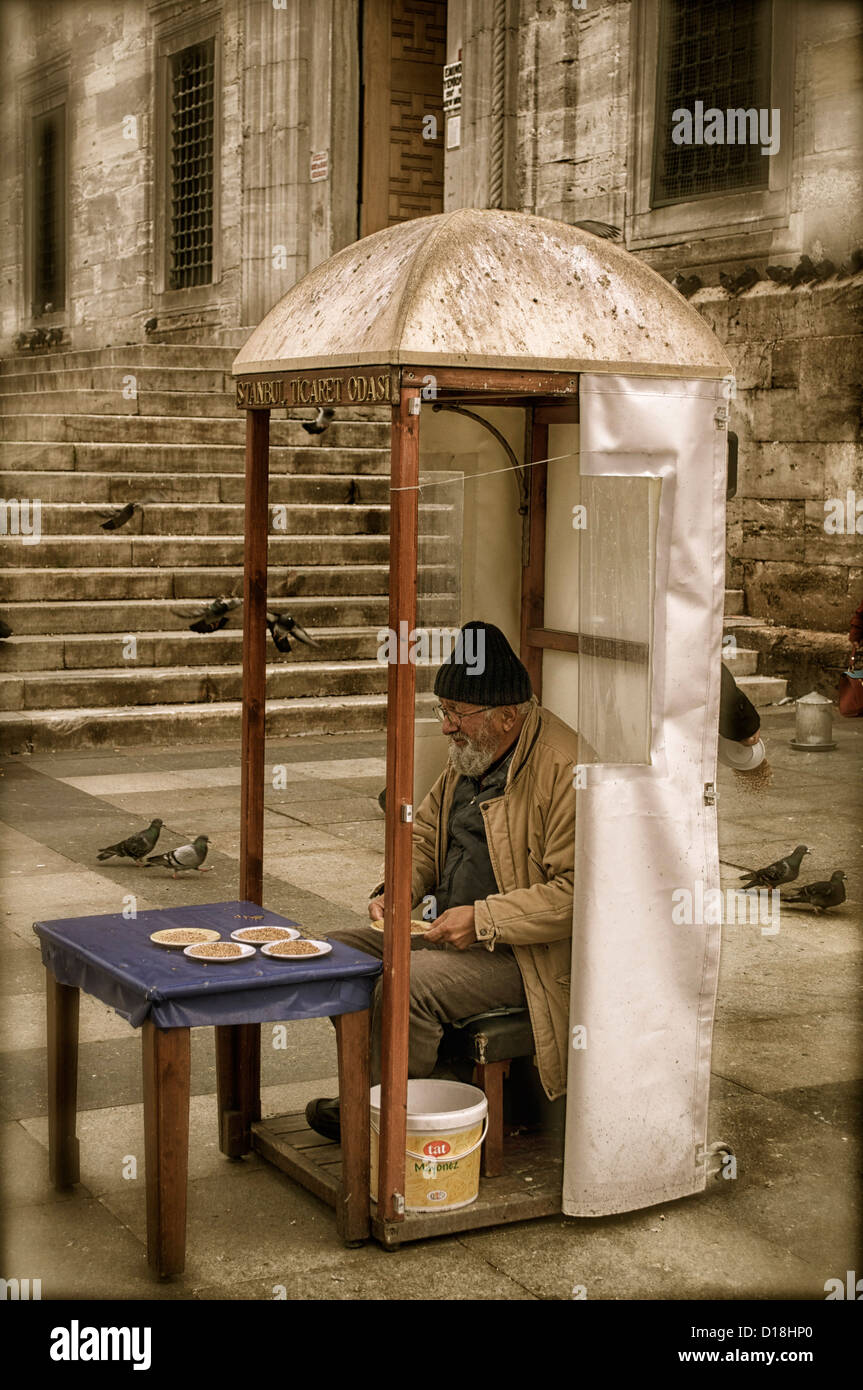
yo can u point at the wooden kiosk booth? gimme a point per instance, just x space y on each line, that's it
558 448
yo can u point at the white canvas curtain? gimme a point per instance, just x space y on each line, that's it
643 989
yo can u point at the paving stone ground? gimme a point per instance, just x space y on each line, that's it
786 1062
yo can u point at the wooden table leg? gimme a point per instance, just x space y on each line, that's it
167 1071
490 1079
63 1155
352 1207
238 1080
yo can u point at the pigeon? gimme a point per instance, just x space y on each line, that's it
686 284
856 260
136 846
828 893
114 520
726 281
781 274
5 630
186 857
747 277
55 337
151 325
211 616
803 271
285 631
382 800
38 339
772 875
20 342
599 229
321 421
824 269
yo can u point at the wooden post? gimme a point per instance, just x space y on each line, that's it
352 1208
167 1058
63 1154
238 1049
401 689
533 572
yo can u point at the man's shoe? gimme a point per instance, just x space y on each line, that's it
324 1117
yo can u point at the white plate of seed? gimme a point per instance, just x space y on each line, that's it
296 950
178 938
255 936
219 951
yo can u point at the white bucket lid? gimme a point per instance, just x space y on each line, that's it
436 1106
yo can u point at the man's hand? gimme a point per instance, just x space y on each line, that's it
455 927
376 908
751 741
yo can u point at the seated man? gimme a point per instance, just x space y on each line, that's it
494 843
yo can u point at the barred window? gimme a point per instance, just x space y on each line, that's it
192 74
49 211
720 56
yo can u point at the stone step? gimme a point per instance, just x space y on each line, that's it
205 356
118 488
114 380
733 602
177 648
163 427
290 677
38 457
763 690
197 519
741 661
103 551
128 584
221 721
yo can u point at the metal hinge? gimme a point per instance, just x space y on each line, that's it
414 405
711 794
398 1203
407 812
720 417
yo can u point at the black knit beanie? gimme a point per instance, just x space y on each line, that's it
483 669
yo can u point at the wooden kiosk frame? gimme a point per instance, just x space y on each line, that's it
546 397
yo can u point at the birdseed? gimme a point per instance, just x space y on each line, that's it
220 949
266 934
757 782
294 948
185 936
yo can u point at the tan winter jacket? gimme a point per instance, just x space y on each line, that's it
531 836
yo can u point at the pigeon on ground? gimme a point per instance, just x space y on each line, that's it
5 630
114 520
211 616
186 857
136 847
686 284
285 631
803 271
772 875
747 277
827 893
321 421
781 274
599 229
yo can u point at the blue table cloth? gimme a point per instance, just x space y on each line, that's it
114 960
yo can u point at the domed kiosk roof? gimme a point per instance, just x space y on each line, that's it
485 288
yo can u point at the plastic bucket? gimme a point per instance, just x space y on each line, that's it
446 1125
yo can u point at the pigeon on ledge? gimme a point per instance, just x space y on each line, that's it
186 857
686 284
772 875
321 421
136 847
827 893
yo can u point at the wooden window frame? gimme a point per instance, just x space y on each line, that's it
170 40
705 215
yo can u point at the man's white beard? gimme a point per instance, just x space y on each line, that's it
477 755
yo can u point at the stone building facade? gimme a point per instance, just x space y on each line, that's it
292 127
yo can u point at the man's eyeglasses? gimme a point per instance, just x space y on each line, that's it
444 714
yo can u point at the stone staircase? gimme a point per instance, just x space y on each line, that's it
743 662
97 657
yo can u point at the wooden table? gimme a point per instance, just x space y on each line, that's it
166 994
